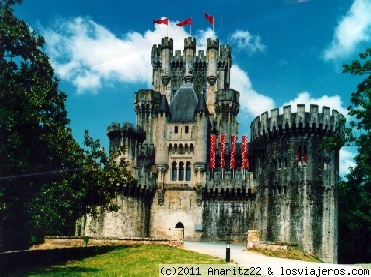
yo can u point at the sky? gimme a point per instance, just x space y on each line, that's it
283 52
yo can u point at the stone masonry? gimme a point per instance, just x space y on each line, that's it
195 181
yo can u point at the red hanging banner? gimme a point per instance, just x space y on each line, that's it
245 161
222 150
232 164
212 151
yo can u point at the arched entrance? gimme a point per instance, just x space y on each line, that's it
180 226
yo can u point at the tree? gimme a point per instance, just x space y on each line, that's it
47 180
355 192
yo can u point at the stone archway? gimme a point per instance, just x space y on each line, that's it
180 227
175 220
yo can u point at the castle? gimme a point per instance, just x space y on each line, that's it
195 176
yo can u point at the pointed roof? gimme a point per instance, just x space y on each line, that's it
184 104
201 105
164 106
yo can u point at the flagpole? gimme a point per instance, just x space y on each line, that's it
190 28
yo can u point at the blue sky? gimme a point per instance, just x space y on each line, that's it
284 52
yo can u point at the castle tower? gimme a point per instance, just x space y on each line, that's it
296 181
189 54
226 110
146 102
202 120
209 73
166 53
127 136
212 54
162 155
224 66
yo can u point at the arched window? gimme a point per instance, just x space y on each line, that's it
188 171
181 148
173 171
181 171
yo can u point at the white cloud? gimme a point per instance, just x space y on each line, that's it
354 28
245 41
346 161
87 54
251 101
333 102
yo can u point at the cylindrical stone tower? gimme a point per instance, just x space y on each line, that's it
296 181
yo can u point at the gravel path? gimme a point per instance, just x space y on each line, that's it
272 266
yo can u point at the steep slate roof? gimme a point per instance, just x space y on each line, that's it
164 106
184 104
201 105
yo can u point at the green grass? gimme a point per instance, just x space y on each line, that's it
126 261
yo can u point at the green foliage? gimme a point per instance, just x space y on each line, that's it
47 180
355 193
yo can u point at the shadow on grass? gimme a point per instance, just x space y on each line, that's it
23 263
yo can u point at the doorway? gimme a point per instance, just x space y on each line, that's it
180 225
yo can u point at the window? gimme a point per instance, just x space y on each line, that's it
173 94
188 171
186 129
181 171
173 171
176 130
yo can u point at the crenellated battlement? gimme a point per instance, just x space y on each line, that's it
167 43
190 43
312 122
127 130
156 54
227 101
146 95
227 95
225 51
213 44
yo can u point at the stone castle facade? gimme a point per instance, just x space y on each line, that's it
194 176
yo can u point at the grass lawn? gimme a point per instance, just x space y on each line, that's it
126 261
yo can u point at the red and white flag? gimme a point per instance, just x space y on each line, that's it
244 146
209 18
161 21
232 164
187 21
212 150
222 150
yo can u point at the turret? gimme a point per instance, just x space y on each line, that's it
202 121
212 56
166 54
224 66
226 110
156 67
127 136
162 155
189 53
146 102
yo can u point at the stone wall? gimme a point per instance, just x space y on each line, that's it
179 206
227 219
131 220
